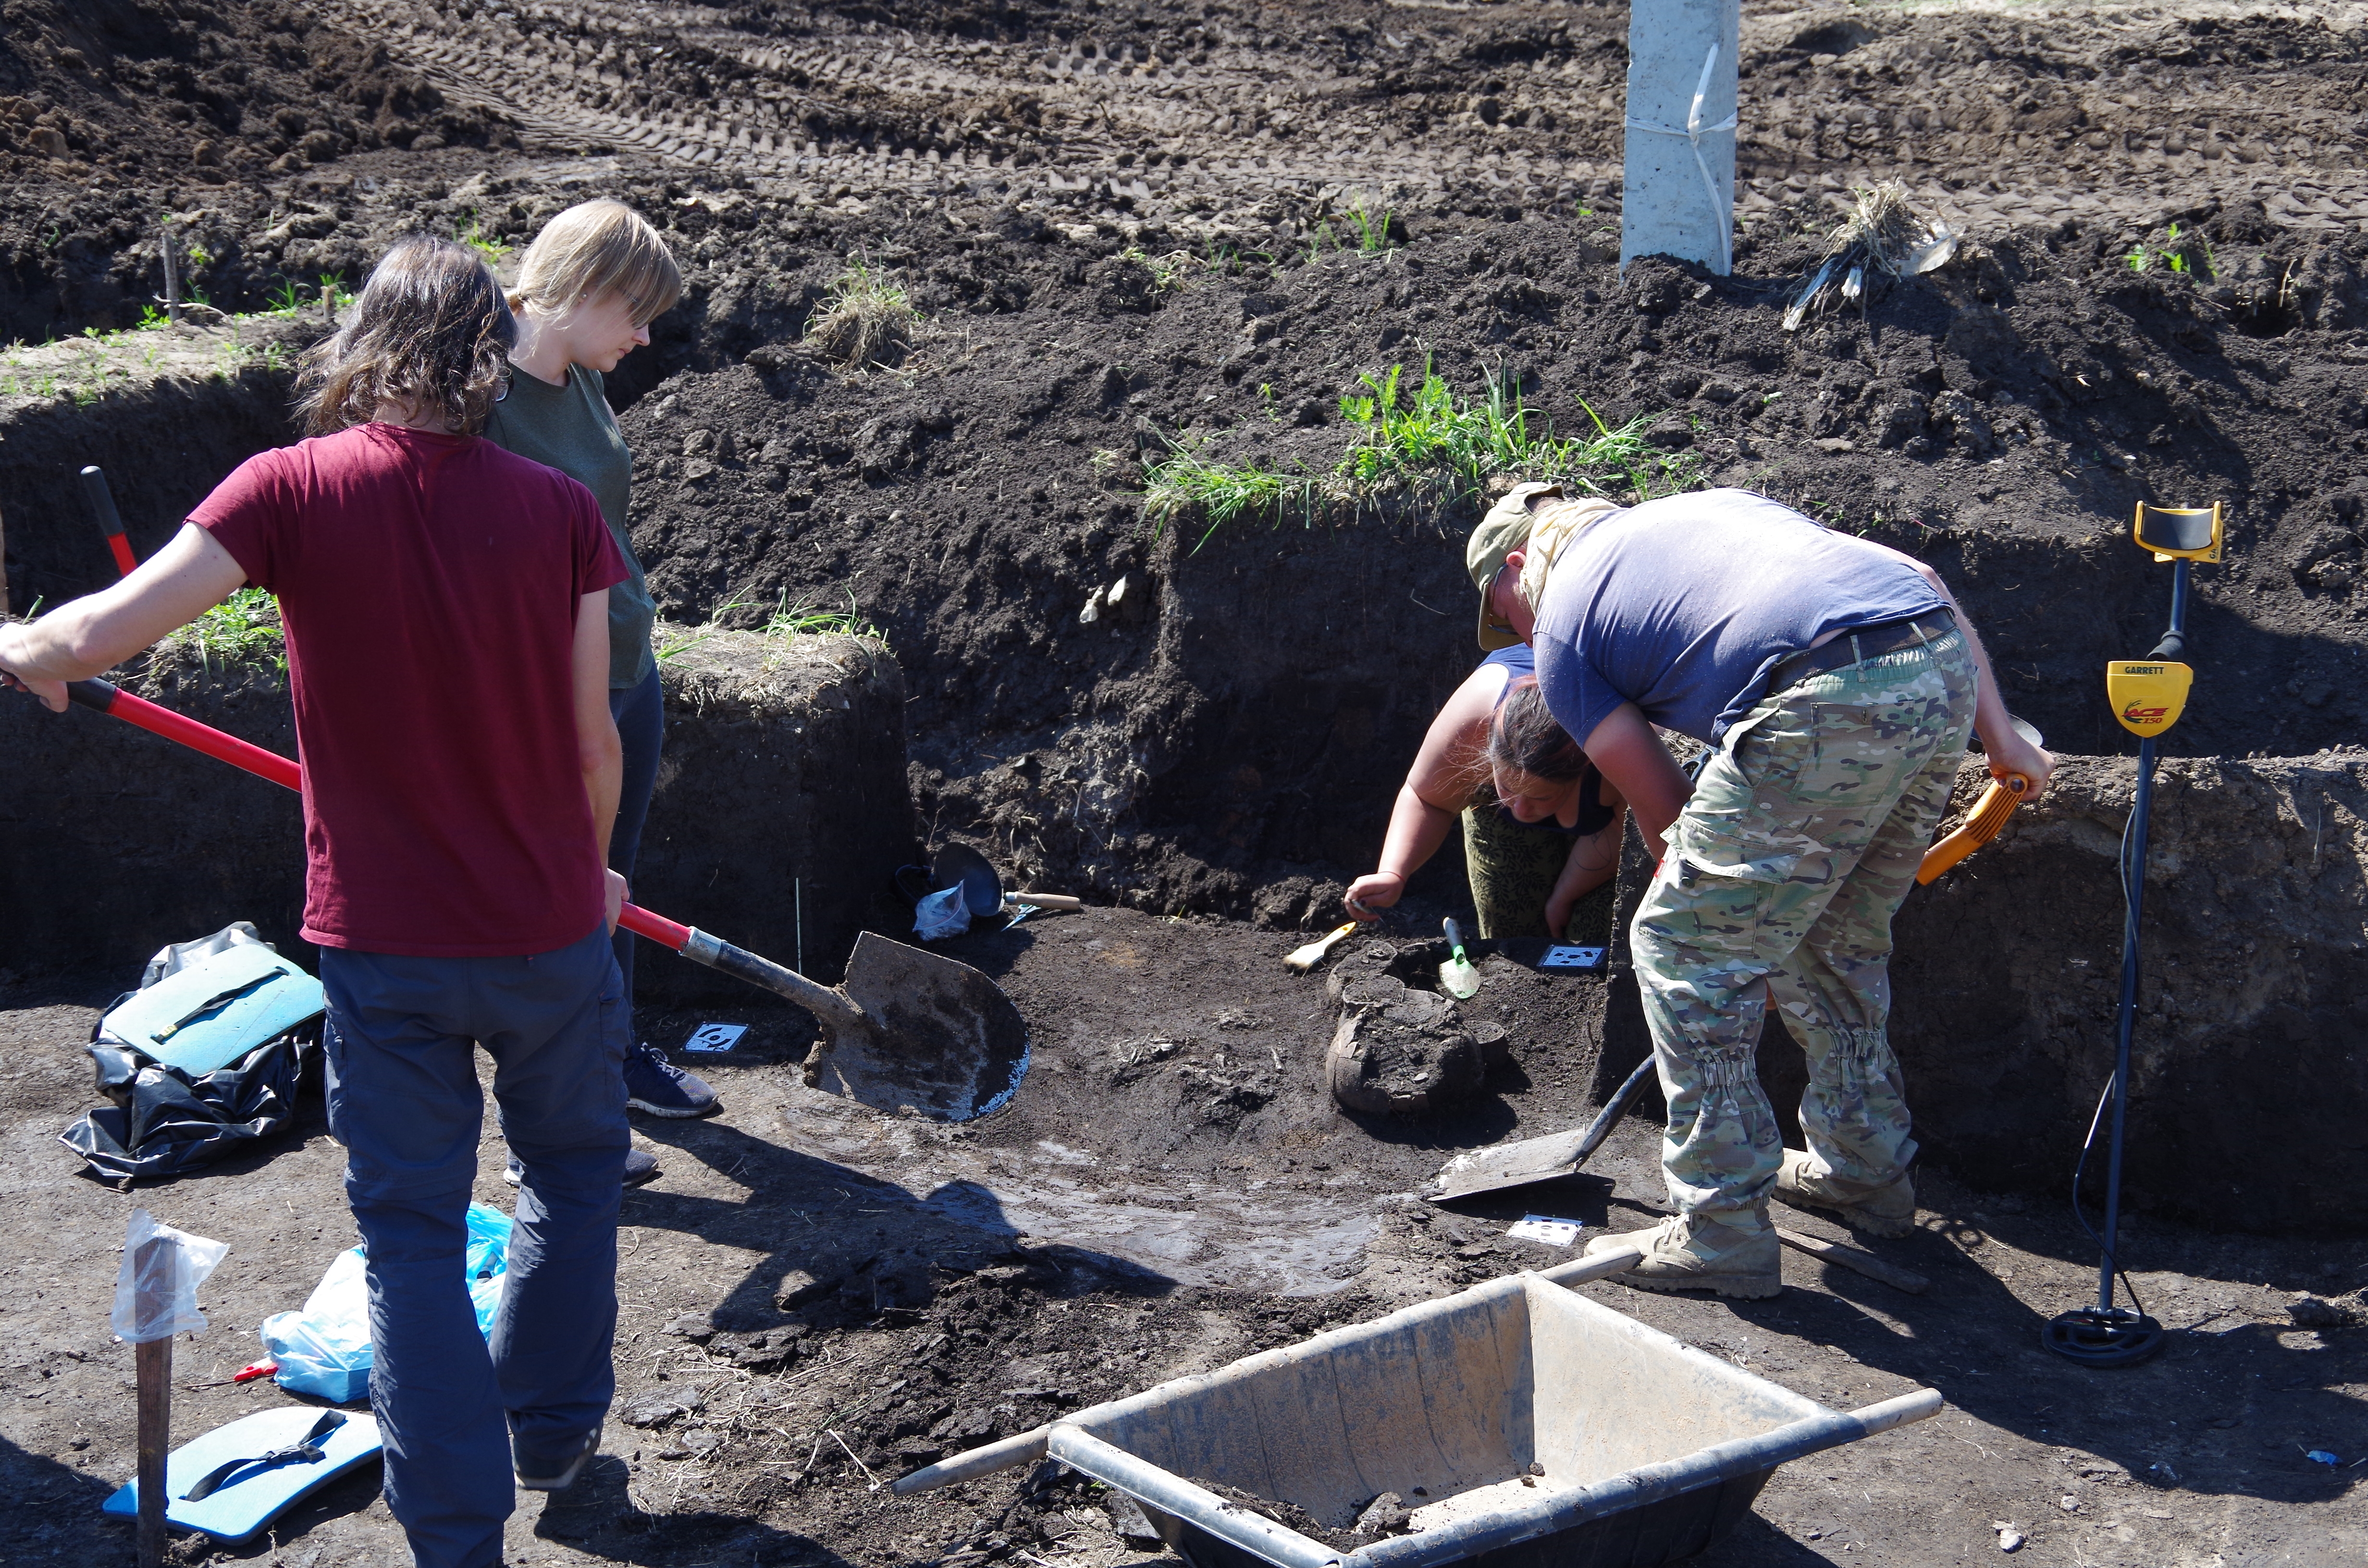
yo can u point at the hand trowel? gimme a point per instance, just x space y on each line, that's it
1456 976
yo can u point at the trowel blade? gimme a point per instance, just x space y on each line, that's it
1506 1164
1459 978
946 1041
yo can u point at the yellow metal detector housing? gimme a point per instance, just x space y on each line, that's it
2179 533
2149 695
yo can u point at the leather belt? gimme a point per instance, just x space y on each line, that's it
1862 643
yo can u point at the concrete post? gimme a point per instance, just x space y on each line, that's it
1679 184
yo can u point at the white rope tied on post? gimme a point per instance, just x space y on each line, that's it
1694 131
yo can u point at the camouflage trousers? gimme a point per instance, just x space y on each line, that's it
1783 871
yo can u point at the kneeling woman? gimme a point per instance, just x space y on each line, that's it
1541 825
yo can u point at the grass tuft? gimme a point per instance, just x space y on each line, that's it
866 322
491 249
1428 445
242 630
807 618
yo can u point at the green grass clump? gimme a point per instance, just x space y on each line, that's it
242 630
807 618
866 322
490 248
1429 446
2188 258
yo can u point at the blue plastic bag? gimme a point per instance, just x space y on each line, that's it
324 1350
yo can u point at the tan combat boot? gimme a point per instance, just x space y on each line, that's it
1680 1254
1889 1210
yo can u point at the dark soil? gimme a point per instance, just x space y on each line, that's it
800 1269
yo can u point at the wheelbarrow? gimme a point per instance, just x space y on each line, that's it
904 1029
1526 1425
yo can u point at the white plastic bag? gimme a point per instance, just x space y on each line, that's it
173 1309
324 1350
941 913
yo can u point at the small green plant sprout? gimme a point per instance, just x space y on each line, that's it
242 630
491 248
196 256
333 289
1167 272
286 300
1369 219
2189 257
866 322
152 319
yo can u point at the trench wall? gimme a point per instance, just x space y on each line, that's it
782 786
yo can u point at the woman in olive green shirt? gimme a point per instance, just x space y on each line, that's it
587 289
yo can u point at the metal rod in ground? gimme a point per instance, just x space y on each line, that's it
172 276
152 1270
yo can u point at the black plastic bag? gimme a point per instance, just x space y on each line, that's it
159 1121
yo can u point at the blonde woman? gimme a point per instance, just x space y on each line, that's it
586 292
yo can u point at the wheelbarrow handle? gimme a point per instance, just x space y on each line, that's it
104 697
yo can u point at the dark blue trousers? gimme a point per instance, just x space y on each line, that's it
401 1041
640 712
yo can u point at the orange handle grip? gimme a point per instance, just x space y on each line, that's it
1981 825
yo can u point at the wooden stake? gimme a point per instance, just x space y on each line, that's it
153 1360
172 276
1865 1263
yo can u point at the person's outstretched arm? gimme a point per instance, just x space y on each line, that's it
98 632
597 751
1433 794
1635 763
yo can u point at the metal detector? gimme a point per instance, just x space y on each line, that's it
2148 695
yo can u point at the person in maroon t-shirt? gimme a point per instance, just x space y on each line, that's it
446 608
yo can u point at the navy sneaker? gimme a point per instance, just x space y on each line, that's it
658 1086
641 1167
558 1473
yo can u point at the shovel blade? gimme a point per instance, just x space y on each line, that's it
945 1041
1459 979
1506 1164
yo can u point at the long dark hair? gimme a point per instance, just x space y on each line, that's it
431 333
1524 737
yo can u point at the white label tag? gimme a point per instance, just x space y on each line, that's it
1572 957
1542 1228
715 1037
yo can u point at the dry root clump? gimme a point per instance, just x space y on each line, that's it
866 322
1885 233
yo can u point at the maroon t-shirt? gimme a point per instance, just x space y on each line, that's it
428 585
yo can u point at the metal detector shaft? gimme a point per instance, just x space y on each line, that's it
2173 646
104 697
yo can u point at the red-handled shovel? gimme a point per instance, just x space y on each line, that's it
906 1028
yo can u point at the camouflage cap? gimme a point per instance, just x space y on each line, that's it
1505 529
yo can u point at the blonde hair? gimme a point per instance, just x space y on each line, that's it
431 334
591 248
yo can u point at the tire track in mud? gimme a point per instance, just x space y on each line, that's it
2032 116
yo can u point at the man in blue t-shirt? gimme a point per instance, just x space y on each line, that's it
1835 680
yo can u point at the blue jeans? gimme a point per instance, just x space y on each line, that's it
640 712
402 1094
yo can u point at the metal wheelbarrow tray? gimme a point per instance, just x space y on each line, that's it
1650 1450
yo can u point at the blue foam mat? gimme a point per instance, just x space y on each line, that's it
253 1497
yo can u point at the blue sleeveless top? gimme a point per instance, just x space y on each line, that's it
1594 816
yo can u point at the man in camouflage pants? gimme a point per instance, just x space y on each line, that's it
1835 681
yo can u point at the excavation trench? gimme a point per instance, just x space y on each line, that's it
1225 734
